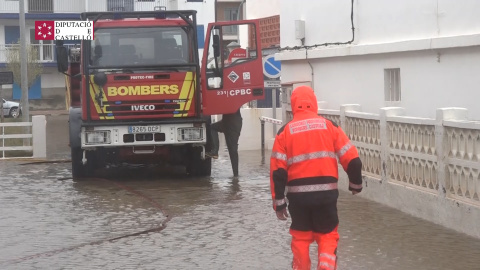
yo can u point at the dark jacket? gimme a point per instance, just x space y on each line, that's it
232 122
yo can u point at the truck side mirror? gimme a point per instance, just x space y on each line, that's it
62 59
216 43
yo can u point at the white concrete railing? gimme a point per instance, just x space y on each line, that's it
440 156
462 160
37 138
78 6
429 168
45 53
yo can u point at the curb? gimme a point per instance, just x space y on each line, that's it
49 113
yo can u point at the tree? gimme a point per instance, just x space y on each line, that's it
34 67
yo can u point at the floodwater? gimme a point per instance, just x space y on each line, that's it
156 218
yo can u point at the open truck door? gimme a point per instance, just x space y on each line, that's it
232 74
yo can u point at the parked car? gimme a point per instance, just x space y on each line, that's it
11 109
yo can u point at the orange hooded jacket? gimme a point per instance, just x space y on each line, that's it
305 152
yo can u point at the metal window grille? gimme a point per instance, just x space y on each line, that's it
40 6
392 84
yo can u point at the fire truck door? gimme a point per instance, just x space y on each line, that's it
232 72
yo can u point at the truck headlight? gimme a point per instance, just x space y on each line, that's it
190 134
97 137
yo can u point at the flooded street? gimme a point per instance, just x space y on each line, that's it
157 218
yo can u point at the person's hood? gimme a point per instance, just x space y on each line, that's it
304 100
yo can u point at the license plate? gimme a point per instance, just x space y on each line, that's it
143 129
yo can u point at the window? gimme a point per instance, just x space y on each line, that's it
230 53
231 14
120 5
141 46
392 84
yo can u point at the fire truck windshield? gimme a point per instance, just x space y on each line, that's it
140 46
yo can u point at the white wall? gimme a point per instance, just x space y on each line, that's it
260 9
256 10
205 14
205 10
379 21
250 138
427 82
436 45
51 78
68 6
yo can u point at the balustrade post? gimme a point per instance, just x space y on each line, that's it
39 127
440 143
385 137
345 108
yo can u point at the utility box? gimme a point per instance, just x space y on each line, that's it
299 29
286 94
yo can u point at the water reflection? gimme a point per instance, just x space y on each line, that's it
217 222
235 190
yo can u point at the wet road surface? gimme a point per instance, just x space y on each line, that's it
156 218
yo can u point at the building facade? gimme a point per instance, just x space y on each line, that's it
417 55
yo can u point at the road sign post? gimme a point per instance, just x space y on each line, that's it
272 71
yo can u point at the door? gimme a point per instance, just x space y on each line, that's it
232 73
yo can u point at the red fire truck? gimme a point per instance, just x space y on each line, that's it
137 93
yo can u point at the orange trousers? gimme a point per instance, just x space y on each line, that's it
327 249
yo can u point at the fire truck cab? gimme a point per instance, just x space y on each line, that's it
136 92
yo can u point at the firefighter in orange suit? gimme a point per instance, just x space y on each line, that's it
304 166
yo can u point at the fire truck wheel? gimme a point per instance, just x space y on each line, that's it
79 170
198 167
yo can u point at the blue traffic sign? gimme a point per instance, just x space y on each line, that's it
271 67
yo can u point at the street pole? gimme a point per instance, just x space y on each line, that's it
1 104
216 1
23 65
239 9
274 110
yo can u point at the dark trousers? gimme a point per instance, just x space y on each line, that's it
317 218
231 138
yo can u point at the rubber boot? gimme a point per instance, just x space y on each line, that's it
301 241
327 249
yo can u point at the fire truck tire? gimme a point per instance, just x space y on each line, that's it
199 167
79 170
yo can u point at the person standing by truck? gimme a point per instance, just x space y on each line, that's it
230 126
304 165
